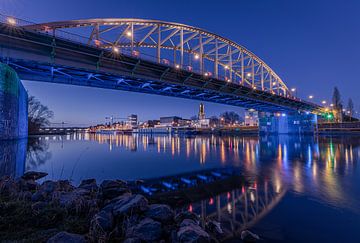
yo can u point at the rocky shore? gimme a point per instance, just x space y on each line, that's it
57 211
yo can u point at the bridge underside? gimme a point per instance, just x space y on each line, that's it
44 72
40 57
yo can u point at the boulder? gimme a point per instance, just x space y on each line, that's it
39 196
248 236
33 175
129 205
27 185
110 189
160 212
186 215
8 186
101 224
38 206
192 233
214 227
49 187
113 183
65 237
147 230
73 201
132 240
65 185
188 222
89 184
24 195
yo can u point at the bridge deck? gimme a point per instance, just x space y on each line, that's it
40 57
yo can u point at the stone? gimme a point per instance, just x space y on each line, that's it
147 230
112 183
101 224
24 195
110 189
38 196
129 205
188 222
89 184
27 185
160 212
114 192
186 215
38 206
192 233
132 240
65 185
214 227
248 236
8 187
33 175
72 201
49 187
65 237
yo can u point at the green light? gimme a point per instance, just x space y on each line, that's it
329 116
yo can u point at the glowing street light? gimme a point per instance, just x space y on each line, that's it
226 67
116 50
331 105
248 74
128 33
11 21
311 96
293 89
177 66
196 56
323 102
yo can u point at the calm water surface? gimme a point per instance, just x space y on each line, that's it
299 189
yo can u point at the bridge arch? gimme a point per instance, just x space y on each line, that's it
177 45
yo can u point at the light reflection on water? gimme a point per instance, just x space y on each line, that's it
321 169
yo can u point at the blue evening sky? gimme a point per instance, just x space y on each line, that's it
313 45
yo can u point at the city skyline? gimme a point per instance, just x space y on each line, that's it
295 29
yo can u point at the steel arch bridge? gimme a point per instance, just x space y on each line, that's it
179 45
147 56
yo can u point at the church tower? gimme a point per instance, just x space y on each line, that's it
201 115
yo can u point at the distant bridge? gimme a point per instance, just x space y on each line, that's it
119 54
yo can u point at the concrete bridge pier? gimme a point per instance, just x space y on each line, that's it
287 123
13 105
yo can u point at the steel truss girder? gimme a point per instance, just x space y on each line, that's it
183 39
28 53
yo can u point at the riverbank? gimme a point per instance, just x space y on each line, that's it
57 211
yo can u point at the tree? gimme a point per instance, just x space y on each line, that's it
336 99
230 117
350 108
39 115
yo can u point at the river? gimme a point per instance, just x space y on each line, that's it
298 188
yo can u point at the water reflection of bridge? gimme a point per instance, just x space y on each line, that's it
239 209
223 195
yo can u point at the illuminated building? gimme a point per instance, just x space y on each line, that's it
251 117
132 120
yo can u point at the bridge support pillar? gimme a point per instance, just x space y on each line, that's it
287 123
13 105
